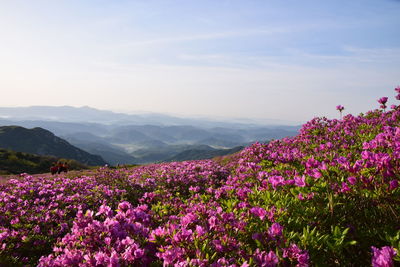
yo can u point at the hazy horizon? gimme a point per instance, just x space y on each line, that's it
237 120
288 61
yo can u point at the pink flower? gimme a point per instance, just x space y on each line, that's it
264 259
200 230
382 100
124 205
352 180
259 212
340 108
188 218
383 257
345 188
275 230
276 181
300 181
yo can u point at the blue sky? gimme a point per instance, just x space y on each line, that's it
288 60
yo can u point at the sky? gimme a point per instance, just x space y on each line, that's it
288 60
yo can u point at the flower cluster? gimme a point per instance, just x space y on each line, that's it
397 89
113 240
35 211
383 101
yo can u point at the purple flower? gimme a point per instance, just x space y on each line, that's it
300 181
340 108
382 100
352 180
275 230
303 259
218 245
276 181
264 259
139 253
293 252
104 209
259 212
200 230
393 184
383 257
188 218
101 258
124 206
212 221
171 255
345 188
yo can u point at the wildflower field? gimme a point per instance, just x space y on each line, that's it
329 196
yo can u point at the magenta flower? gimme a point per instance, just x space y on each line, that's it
340 108
397 89
200 230
259 212
345 188
275 230
393 184
276 181
300 181
264 259
125 205
295 253
383 257
383 101
352 180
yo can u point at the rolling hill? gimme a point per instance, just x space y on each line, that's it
42 142
12 162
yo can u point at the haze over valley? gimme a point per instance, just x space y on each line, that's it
136 139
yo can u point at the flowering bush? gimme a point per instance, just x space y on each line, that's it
329 196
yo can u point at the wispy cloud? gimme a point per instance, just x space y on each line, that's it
207 36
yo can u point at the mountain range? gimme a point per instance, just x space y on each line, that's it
144 138
42 142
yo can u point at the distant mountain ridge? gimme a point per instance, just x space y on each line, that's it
92 115
139 139
43 142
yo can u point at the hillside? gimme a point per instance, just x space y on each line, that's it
12 162
329 196
42 142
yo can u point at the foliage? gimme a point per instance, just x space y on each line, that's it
12 162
